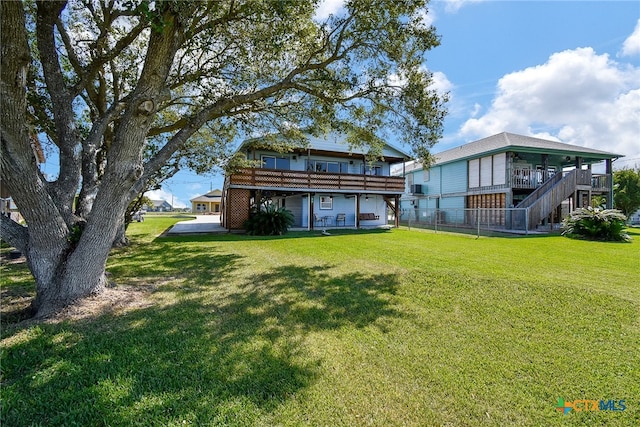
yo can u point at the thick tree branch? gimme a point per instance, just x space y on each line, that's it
62 101
89 72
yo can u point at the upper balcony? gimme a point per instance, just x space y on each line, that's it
526 178
288 180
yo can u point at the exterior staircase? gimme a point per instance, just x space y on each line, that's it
552 193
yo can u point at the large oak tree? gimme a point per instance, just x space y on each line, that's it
116 91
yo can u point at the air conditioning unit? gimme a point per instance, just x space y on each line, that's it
416 189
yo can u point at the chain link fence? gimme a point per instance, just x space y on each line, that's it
478 220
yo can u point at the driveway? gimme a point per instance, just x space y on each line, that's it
202 224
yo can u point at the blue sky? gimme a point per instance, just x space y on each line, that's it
563 70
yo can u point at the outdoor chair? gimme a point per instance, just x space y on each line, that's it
341 218
318 220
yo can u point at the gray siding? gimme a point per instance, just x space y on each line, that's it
294 204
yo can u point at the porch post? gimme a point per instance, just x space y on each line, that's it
609 178
545 167
311 221
358 210
396 216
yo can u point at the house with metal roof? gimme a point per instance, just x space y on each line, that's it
534 175
160 206
325 183
207 203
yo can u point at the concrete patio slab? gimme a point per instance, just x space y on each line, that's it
202 224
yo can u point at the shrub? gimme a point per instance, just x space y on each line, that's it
270 221
596 224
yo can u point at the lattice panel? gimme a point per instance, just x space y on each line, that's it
316 180
237 208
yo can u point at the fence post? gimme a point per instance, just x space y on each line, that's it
435 222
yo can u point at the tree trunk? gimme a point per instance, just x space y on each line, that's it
76 280
121 239
63 277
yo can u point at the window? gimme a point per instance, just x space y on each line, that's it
474 173
326 202
268 162
499 169
426 175
272 162
333 167
326 166
486 171
373 170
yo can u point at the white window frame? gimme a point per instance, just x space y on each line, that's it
275 161
326 202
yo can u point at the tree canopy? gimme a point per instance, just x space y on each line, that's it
116 91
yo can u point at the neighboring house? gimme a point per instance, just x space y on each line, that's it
8 207
507 171
207 203
634 218
323 184
160 206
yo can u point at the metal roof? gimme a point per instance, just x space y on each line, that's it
336 144
512 142
506 141
211 196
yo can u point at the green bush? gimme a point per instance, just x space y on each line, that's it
596 224
270 221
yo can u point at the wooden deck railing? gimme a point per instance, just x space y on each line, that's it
527 178
287 179
601 182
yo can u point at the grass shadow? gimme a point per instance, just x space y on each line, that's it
219 354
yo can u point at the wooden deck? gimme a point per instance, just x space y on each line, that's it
533 179
299 180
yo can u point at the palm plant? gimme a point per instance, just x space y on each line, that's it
596 224
269 221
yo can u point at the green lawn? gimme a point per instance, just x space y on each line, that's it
358 328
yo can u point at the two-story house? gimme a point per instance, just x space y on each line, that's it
327 183
507 170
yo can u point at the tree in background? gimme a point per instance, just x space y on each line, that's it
120 90
626 190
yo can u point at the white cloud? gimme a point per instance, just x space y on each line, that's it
426 16
328 7
577 97
631 45
441 83
453 6
163 194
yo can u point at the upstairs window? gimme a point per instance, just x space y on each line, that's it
327 166
372 170
273 162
